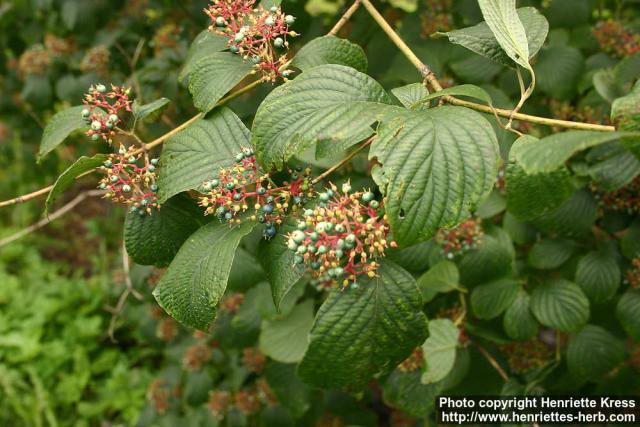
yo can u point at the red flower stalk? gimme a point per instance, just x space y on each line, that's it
104 110
127 182
256 34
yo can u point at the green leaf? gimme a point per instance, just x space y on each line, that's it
489 261
212 76
151 110
630 241
205 44
559 70
155 239
492 205
330 50
481 40
405 391
286 340
364 333
626 110
442 277
410 94
529 196
415 258
503 21
66 178
491 299
59 128
548 154
197 277
560 304
439 350
612 165
593 352
277 261
628 313
290 391
330 104
199 152
436 166
548 254
575 217
598 274
471 91
518 320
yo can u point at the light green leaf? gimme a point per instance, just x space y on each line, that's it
560 304
598 274
471 91
330 50
329 104
439 350
197 277
205 44
548 154
214 75
592 352
626 110
518 320
442 277
410 94
529 196
197 153
405 391
277 261
628 312
492 205
151 110
60 127
550 253
503 21
286 340
491 299
364 333
155 239
66 178
436 166
481 40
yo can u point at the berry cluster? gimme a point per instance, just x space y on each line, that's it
413 362
127 182
231 304
523 357
95 60
103 110
58 47
253 360
244 186
257 34
165 39
632 277
341 238
437 17
196 356
34 61
248 401
616 38
457 241
625 199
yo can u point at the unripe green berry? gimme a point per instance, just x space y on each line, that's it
102 186
154 162
96 125
114 178
324 197
126 188
230 186
322 249
95 137
297 236
339 253
292 245
101 88
298 259
269 21
315 265
220 22
289 19
350 239
206 186
154 188
302 249
340 244
340 228
151 168
234 49
301 225
113 118
237 197
228 216
374 204
238 37
86 113
214 183
278 42
368 196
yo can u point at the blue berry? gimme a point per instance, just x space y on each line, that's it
267 209
270 231
154 188
315 265
261 191
261 218
228 216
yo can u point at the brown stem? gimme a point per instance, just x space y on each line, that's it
493 362
344 18
435 84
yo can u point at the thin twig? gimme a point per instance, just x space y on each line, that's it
344 18
128 290
50 218
493 362
342 162
435 84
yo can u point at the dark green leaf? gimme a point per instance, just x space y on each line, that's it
491 299
550 253
560 304
628 312
518 320
150 110
330 50
592 352
598 274
59 128
82 165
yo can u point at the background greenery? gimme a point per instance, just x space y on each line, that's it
58 365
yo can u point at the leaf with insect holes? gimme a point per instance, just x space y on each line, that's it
66 178
197 153
331 105
436 166
364 333
197 277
